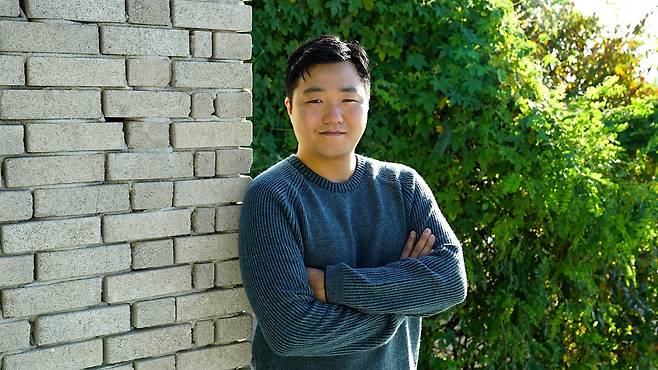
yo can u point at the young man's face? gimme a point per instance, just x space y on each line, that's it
328 111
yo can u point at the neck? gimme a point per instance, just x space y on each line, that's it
337 169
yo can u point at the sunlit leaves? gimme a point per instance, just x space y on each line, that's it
553 193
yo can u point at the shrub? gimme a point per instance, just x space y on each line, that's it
554 198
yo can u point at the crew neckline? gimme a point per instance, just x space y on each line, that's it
344 186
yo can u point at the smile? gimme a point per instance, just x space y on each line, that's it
333 133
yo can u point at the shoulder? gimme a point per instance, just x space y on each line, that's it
277 182
391 172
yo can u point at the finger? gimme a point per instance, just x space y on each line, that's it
420 245
428 246
409 245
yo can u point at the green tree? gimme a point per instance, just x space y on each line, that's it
577 52
557 218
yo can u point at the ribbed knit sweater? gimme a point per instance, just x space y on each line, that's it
355 230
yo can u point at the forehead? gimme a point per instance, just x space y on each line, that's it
334 76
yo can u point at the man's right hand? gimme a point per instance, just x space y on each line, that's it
420 248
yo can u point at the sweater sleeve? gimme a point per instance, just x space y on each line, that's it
292 321
410 286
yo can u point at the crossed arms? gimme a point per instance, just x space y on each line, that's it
362 307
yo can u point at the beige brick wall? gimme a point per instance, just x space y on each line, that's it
124 156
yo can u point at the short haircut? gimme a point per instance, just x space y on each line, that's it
325 49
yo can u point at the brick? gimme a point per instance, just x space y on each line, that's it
146 166
216 357
147 343
234 161
83 262
77 10
136 104
227 273
155 253
147 284
204 164
146 225
11 140
53 170
214 16
203 275
71 326
227 218
16 270
234 104
211 303
227 45
9 8
151 71
81 200
210 191
233 329
162 363
15 205
214 75
201 44
203 220
147 135
121 40
49 104
202 105
73 136
210 134
153 12
128 366
151 195
14 336
40 299
48 37
69 356
12 71
203 333
47 235
202 248
153 313
57 71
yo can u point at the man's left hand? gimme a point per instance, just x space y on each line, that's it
316 281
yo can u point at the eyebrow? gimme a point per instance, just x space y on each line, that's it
314 89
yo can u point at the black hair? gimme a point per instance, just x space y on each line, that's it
325 49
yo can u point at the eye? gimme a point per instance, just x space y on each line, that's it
314 101
349 100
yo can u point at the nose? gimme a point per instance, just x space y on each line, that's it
333 114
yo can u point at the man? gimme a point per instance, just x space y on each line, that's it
328 249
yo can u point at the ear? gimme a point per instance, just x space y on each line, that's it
288 104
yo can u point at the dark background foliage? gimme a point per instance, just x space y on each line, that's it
543 161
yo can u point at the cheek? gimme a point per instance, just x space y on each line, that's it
358 113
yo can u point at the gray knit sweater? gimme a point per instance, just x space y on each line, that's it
354 230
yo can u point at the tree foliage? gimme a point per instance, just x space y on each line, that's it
552 193
577 52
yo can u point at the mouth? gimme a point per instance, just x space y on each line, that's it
333 133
